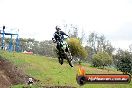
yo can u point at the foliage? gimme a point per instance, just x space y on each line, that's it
90 53
76 48
38 47
101 59
123 61
99 43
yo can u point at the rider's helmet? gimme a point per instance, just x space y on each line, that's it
57 28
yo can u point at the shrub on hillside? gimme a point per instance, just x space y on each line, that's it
76 48
123 61
101 59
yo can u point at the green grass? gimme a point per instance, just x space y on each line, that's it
26 86
50 72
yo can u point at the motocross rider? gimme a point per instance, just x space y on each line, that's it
58 37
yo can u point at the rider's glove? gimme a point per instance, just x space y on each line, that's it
67 35
54 40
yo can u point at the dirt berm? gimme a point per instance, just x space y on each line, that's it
10 74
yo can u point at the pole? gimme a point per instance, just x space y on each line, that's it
3 42
17 44
10 45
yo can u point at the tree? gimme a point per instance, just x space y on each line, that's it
101 59
99 44
123 61
92 42
90 54
130 47
72 30
36 47
76 48
29 44
7 41
23 44
46 48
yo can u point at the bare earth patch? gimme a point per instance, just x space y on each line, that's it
10 74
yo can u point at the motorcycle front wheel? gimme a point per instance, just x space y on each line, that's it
60 60
69 58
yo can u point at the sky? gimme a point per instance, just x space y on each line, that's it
38 18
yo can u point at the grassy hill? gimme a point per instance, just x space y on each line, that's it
50 73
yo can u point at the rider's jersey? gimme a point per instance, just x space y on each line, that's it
59 35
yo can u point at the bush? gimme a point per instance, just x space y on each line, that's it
122 61
101 59
76 48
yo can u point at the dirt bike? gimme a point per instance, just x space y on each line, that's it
64 52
